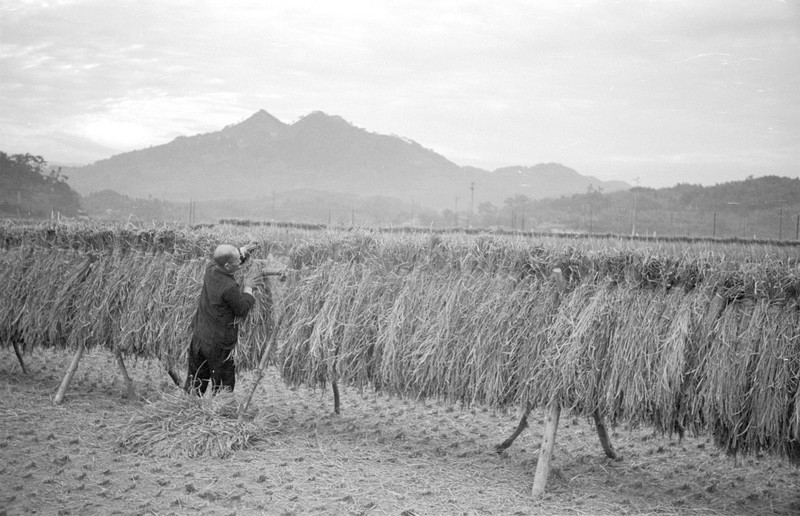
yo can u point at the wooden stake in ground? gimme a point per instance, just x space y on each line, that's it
546 452
73 366
86 268
523 424
19 356
262 366
128 382
550 424
605 442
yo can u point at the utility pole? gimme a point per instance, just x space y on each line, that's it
714 229
635 199
455 214
797 229
741 217
780 223
471 203
192 211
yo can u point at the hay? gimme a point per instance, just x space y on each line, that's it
182 425
702 339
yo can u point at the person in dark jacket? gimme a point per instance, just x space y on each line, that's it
214 328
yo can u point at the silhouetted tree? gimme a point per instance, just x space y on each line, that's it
28 189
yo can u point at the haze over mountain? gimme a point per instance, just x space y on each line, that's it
262 154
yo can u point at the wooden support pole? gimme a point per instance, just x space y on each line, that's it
550 421
259 375
176 379
124 372
546 452
262 365
335 383
523 424
336 401
19 356
70 373
605 442
86 268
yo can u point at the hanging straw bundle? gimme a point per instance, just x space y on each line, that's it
750 375
670 390
361 321
48 285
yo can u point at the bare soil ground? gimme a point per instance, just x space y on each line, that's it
380 456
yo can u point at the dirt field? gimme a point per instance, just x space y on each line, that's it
380 456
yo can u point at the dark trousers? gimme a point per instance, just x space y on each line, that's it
209 364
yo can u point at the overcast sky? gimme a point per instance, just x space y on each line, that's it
665 91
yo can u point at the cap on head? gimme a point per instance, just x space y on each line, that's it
225 254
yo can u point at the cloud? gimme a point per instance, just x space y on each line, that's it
481 82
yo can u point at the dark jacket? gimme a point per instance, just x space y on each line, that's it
220 303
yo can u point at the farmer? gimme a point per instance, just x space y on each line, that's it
214 327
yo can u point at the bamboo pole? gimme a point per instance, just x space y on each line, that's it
546 451
73 366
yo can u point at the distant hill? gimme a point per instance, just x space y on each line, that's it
545 180
762 208
262 154
765 207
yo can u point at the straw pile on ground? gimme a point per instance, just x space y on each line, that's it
179 425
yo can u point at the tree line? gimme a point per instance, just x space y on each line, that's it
29 190
757 208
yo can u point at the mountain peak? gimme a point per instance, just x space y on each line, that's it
259 120
259 123
322 118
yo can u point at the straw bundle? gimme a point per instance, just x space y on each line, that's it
183 425
670 391
40 299
748 379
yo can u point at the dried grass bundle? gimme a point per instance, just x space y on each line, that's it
47 284
256 329
183 425
675 362
749 375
